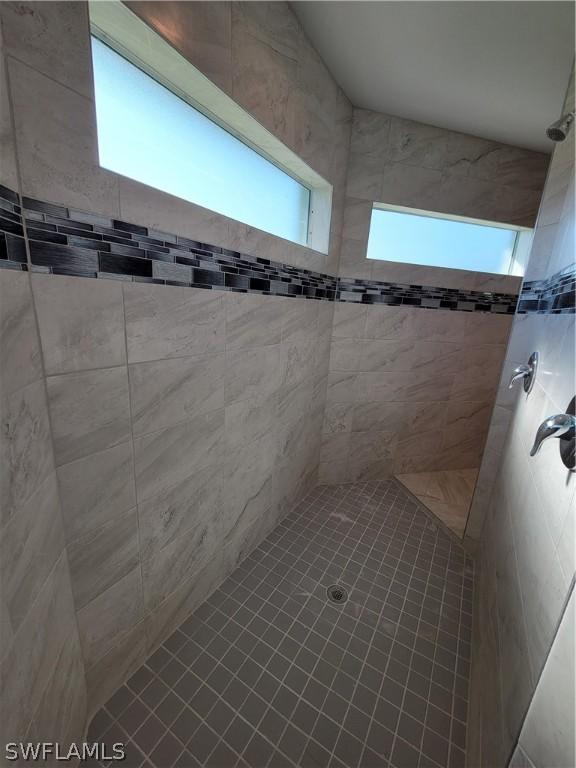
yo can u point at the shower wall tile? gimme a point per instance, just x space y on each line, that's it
164 458
424 379
186 353
30 544
106 620
166 392
81 323
523 509
100 558
547 735
61 713
42 38
18 336
252 373
402 162
96 489
90 412
63 166
170 322
252 321
27 667
167 567
26 459
108 673
167 517
38 622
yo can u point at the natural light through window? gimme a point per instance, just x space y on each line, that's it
430 240
150 134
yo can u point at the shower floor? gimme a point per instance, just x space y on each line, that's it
269 672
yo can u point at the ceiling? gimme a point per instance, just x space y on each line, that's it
493 69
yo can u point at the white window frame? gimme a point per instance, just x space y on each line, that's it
116 26
522 244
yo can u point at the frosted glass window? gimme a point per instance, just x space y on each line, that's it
439 242
150 134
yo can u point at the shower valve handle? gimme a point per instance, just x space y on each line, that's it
519 373
561 425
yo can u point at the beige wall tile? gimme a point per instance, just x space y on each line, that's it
30 544
338 417
108 673
169 566
90 411
96 489
252 373
182 602
25 448
168 516
27 667
61 713
548 734
103 556
165 458
248 484
58 157
349 321
18 336
149 207
81 323
164 322
251 321
166 392
51 39
105 621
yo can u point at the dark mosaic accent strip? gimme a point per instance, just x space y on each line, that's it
424 296
12 245
553 296
66 241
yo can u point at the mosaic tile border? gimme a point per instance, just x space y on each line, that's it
67 241
554 296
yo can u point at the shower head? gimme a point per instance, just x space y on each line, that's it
559 130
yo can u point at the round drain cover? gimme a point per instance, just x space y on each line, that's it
337 594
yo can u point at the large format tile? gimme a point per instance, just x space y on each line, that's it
548 734
28 665
30 545
97 488
18 337
169 515
169 566
252 373
59 160
106 620
100 558
25 447
52 40
166 392
81 323
62 711
166 458
252 321
90 411
163 322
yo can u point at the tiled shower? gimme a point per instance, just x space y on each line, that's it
236 471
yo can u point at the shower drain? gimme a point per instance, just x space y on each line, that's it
337 594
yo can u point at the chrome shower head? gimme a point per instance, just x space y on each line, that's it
559 130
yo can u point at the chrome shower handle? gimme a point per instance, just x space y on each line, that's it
561 425
526 372
519 373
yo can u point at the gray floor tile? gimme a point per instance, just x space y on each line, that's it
269 672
